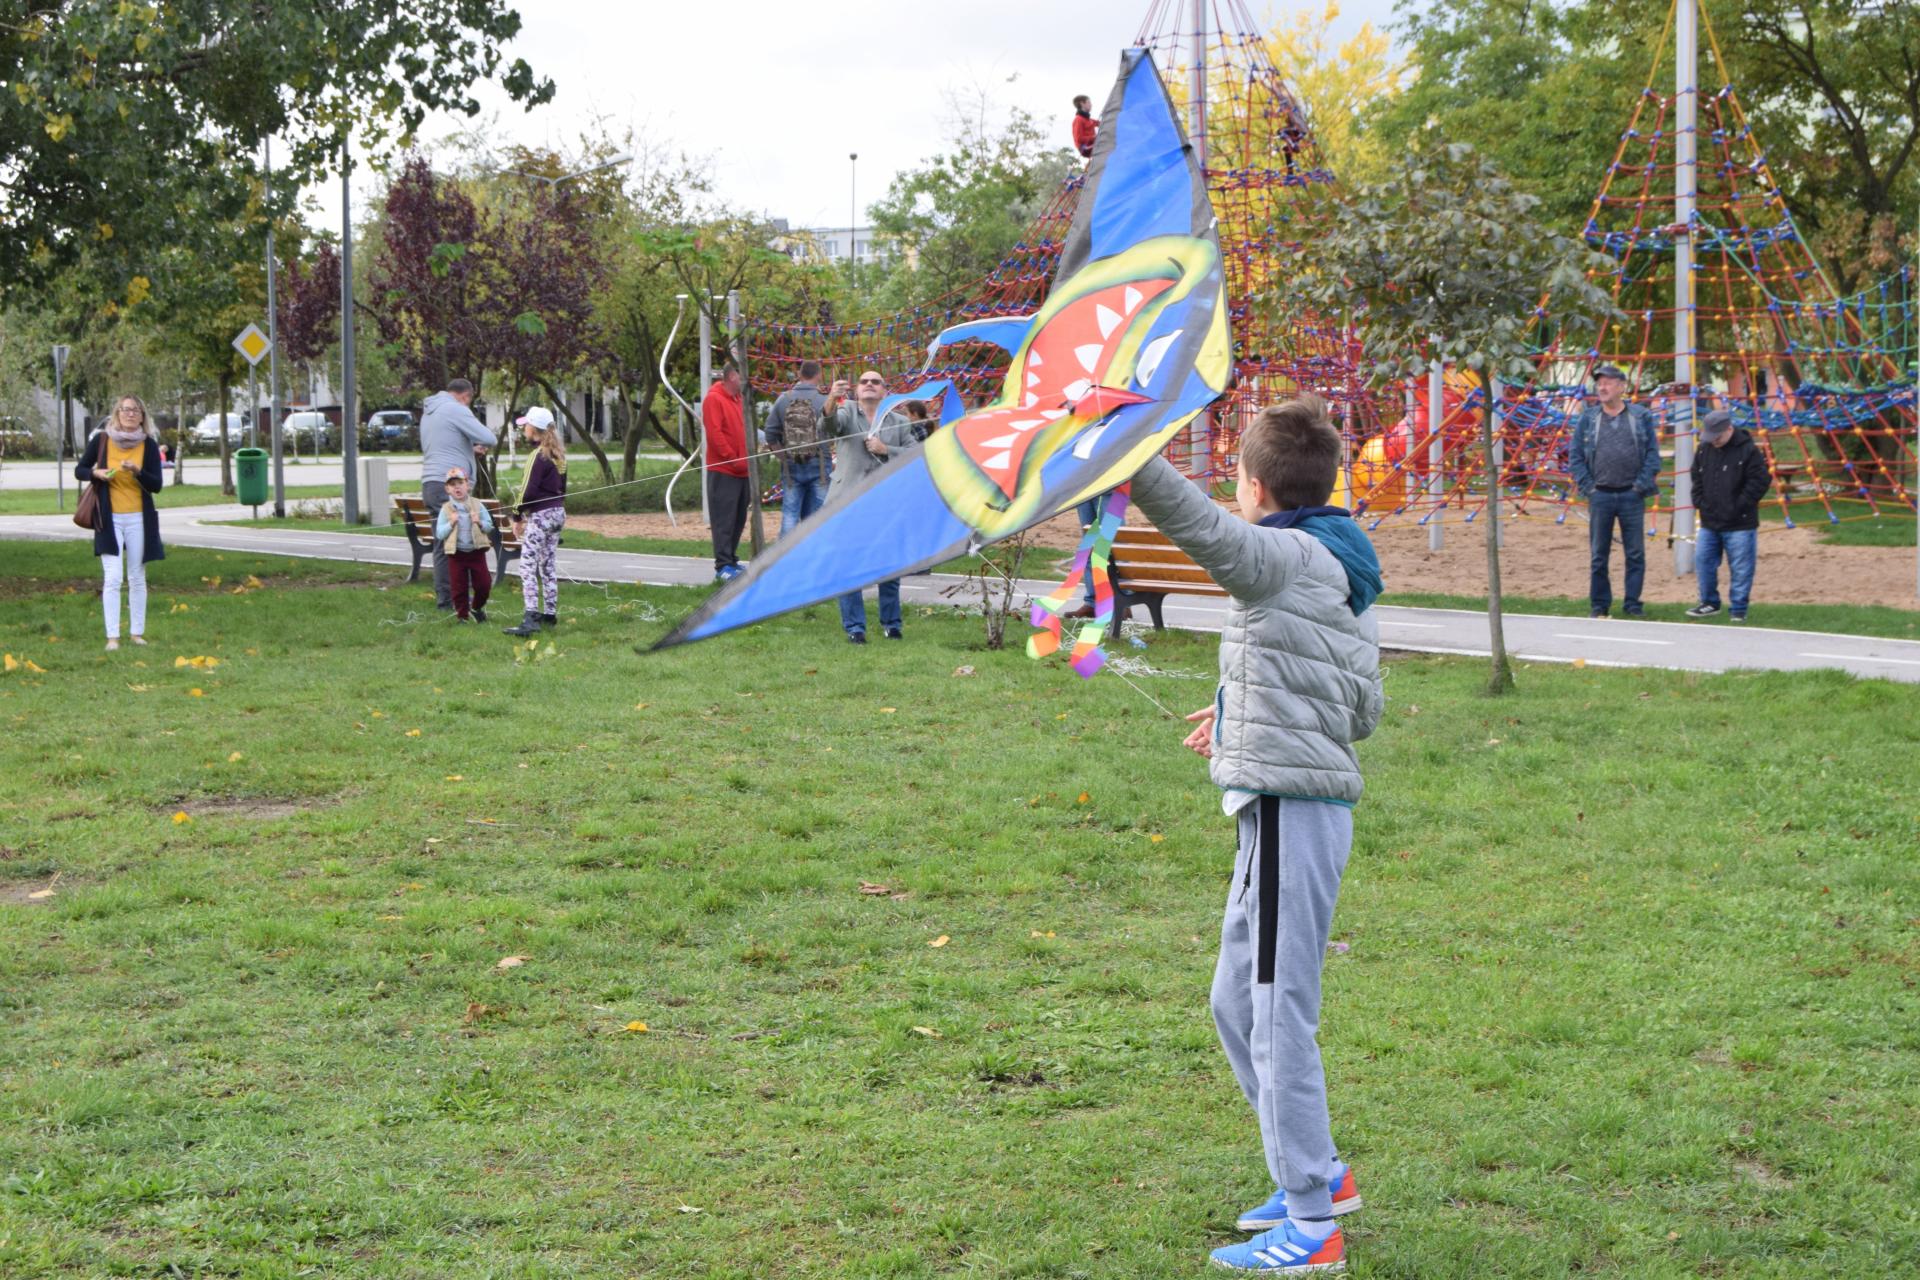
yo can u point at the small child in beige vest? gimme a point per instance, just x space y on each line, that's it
466 531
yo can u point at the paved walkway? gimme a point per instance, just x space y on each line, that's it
1531 637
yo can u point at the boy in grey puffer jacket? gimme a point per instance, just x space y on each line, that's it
1299 685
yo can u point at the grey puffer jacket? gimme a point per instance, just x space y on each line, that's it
1299 673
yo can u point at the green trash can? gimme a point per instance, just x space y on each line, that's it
250 475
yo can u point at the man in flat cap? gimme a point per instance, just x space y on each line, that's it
1615 460
1729 478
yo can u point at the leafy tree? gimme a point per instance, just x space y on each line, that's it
1449 261
435 286
1339 85
1544 87
955 219
130 127
308 294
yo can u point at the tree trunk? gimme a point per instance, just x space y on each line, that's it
599 454
1500 676
226 457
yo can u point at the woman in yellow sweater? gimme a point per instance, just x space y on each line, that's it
123 461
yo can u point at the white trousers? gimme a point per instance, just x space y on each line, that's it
130 533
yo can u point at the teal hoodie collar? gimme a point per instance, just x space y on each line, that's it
1335 530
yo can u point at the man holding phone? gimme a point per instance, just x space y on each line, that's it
862 447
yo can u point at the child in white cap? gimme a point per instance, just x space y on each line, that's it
537 522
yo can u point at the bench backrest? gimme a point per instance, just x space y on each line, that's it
419 519
1145 559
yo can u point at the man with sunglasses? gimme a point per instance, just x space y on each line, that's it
861 448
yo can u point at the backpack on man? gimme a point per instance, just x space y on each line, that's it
800 424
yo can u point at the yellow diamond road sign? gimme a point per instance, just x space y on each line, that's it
252 344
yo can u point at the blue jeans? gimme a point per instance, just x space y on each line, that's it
806 493
853 609
1740 547
1629 510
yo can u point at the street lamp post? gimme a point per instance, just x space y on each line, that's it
60 396
349 428
853 208
623 158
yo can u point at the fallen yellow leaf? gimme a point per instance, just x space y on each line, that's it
1156 837
196 693
379 715
1035 933
12 663
39 895
1084 797
636 1026
389 917
235 758
940 941
1579 662
413 733
512 962
181 816
35 667
929 1032
887 711
456 777
640 706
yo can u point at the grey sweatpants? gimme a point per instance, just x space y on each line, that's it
1266 988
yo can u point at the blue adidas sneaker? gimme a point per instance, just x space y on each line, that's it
1346 1198
1284 1249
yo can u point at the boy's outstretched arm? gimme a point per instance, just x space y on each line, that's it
1248 562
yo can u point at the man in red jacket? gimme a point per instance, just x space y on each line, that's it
725 426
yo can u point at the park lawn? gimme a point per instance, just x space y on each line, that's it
920 936
1840 619
45 502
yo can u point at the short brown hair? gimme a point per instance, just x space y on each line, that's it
1294 450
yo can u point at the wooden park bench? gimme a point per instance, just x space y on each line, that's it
417 518
1147 568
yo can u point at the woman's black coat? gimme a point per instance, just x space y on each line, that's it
151 479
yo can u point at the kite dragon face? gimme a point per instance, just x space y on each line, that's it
1136 343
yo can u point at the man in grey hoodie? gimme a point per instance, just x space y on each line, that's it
451 438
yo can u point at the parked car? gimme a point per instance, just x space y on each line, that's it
207 430
306 429
392 429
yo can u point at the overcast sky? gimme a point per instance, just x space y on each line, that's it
778 94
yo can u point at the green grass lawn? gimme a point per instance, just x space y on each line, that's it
1843 619
893 961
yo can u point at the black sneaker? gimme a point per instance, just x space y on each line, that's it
1636 613
856 637
1703 611
479 615
529 625
1736 617
893 633
549 619
1597 613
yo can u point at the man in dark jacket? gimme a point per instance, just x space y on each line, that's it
1614 456
1729 479
803 468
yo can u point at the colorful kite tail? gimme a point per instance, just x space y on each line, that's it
1093 556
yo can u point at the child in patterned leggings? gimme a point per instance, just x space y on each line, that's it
537 522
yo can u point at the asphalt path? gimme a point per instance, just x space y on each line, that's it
1615 642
